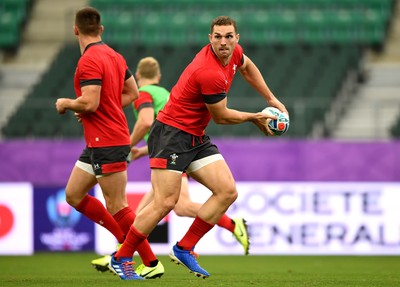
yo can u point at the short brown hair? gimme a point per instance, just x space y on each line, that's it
88 21
148 68
223 21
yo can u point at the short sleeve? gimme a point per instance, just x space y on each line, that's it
144 100
211 82
89 72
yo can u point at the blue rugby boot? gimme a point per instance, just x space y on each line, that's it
124 268
187 258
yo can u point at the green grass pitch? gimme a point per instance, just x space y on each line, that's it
74 270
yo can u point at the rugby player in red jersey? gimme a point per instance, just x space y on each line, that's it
177 143
103 86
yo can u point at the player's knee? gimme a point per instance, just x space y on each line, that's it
233 196
230 194
180 210
182 206
72 199
168 204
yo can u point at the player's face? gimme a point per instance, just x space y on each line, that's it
223 41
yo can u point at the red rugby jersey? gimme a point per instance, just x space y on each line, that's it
101 65
203 77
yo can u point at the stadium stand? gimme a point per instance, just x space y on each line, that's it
395 130
297 74
267 21
305 50
13 15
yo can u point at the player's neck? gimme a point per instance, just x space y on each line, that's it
87 40
225 61
145 82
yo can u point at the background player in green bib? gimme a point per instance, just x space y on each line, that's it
152 98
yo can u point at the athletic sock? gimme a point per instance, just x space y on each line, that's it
196 231
133 239
227 223
92 208
125 218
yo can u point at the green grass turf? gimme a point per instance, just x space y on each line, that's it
74 270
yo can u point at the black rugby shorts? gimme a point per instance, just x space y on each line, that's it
174 149
106 159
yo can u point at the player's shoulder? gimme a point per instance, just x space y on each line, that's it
238 54
206 60
208 70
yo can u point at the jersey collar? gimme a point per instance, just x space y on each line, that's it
92 44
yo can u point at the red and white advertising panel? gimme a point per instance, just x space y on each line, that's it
16 219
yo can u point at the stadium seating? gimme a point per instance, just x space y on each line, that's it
304 49
395 129
261 21
305 78
13 14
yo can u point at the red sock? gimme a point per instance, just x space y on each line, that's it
226 222
196 231
125 218
92 208
131 243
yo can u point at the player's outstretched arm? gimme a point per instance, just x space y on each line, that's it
253 76
221 114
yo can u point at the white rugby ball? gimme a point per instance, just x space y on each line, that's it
281 124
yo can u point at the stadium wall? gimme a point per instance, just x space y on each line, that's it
47 163
299 197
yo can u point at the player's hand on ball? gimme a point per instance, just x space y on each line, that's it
280 124
261 121
277 104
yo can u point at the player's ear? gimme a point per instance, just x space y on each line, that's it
237 38
76 31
